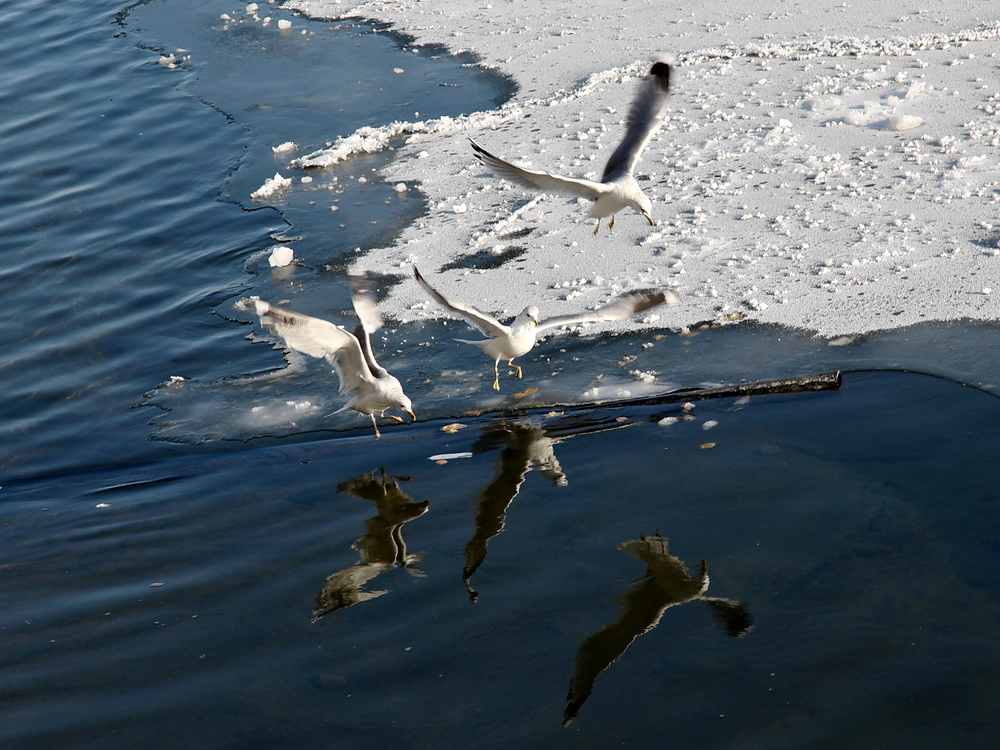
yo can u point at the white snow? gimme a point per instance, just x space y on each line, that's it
271 187
828 167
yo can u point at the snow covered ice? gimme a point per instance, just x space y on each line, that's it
826 168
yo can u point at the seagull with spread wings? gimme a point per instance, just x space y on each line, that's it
373 388
517 339
617 188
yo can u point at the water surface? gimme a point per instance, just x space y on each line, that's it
207 563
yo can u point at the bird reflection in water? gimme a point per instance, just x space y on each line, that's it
667 583
526 447
382 548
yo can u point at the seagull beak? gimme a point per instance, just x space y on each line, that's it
412 415
649 218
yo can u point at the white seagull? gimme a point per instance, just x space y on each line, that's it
373 388
617 187
517 339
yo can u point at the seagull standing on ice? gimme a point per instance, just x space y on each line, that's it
517 339
617 188
373 388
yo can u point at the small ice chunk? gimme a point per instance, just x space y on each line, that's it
398 71
285 148
449 456
708 424
284 24
253 8
904 122
461 208
271 186
281 256
400 187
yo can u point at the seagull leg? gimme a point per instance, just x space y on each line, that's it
394 418
496 375
375 425
597 228
516 367
612 224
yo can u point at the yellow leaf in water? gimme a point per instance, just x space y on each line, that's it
706 446
621 419
528 392
659 337
441 463
454 427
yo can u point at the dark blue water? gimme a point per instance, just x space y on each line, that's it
292 597
181 570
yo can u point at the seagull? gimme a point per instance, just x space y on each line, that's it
517 339
617 188
373 388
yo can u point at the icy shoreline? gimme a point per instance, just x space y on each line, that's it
834 172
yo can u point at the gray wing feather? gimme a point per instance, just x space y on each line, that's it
537 180
363 298
321 339
625 306
488 325
644 119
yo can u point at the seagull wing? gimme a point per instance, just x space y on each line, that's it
537 180
625 306
644 119
321 339
487 324
363 298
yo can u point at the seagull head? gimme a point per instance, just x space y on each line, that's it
530 313
645 206
405 405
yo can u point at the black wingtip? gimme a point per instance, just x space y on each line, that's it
480 152
661 70
416 274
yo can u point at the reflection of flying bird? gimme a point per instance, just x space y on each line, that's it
618 187
373 388
526 448
667 583
382 548
517 339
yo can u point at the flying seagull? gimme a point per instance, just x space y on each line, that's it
617 187
517 339
373 388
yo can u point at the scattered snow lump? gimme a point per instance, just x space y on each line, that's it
271 187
